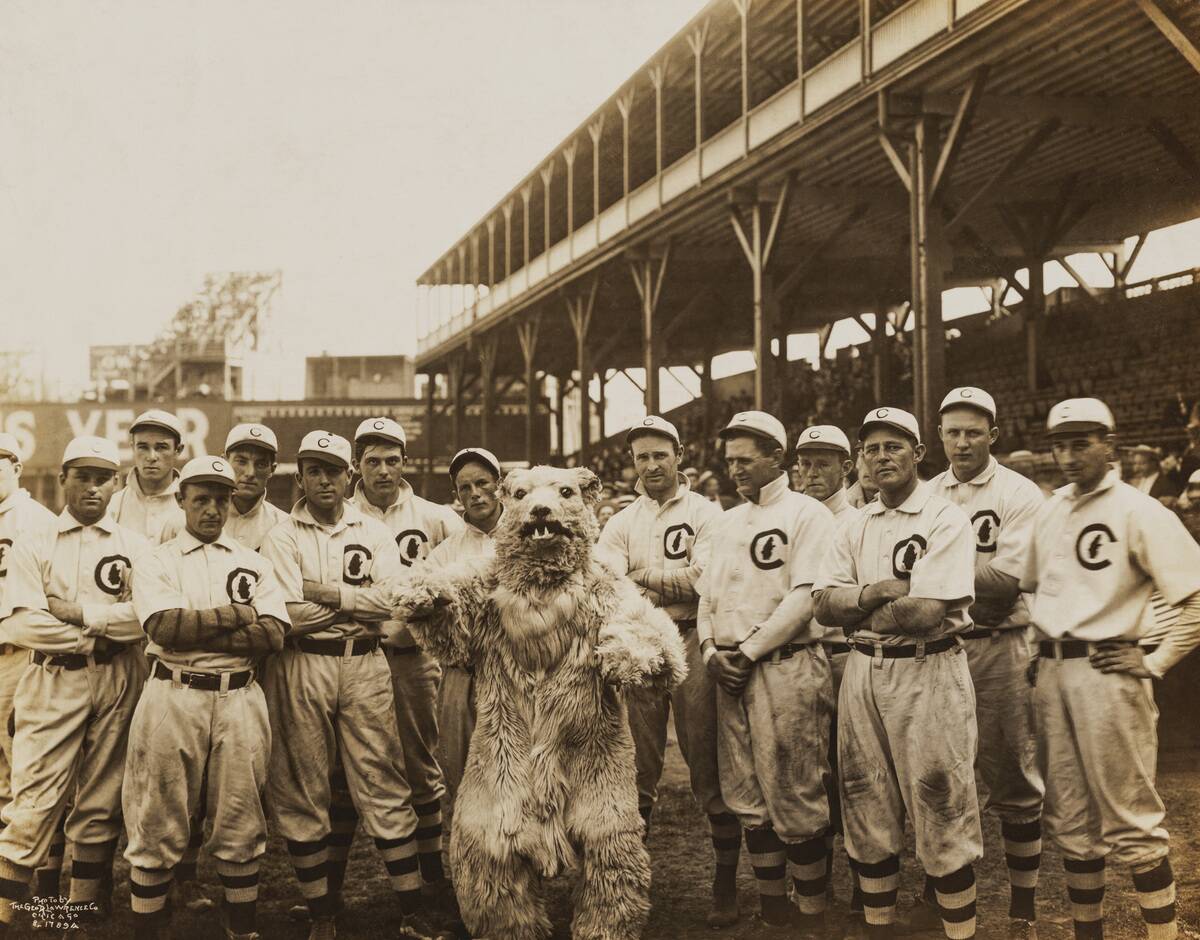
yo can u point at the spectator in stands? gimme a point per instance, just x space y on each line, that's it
1022 462
1148 478
1188 507
1190 460
863 490
693 477
709 486
605 510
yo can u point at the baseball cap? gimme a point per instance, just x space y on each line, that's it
896 418
9 446
258 435
385 428
478 454
326 447
970 397
208 469
653 424
97 452
824 437
1194 479
159 419
1148 450
1080 414
758 423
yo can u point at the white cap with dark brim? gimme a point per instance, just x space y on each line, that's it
256 435
97 452
758 424
385 428
1075 415
896 418
326 447
208 469
824 437
970 397
159 420
652 424
476 455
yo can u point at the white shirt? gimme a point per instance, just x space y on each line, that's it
925 540
1001 505
19 513
468 543
250 529
417 524
144 514
843 511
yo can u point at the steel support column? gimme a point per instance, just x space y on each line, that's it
881 386
560 396
527 336
929 261
696 40
507 208
547 175
487 373
648 269
454 371
579 310
430 425
1035 313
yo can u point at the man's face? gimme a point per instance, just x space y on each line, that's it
87 491
476 487
206 507
1082 457
1143 465
967 437
891 457
822 472
750 468
382 469
324 484
154 454
693 476
10 476
253 467
656 461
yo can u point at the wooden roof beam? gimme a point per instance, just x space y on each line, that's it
1171 28
1074 110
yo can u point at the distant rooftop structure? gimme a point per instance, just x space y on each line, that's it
359 377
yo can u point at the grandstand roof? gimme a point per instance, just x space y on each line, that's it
1095 95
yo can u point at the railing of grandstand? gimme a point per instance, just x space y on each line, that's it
1166 282
893 37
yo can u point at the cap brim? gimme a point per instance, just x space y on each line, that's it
984 409
635 432
4 452
324 457
252 442
156 426
878 423
1075 427
822 445
96 463
753 432
472 457
390 438
209 478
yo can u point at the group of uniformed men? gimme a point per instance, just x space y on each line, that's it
849 666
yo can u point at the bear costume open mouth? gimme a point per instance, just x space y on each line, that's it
542 530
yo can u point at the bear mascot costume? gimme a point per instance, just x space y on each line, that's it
554 637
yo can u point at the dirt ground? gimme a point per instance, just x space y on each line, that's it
682 870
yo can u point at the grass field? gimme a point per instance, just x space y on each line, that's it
682 864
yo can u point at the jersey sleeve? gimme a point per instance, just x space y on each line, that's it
946 572
812 537
268 596
1016 530
838 569
1163 549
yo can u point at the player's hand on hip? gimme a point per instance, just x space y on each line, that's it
1127 659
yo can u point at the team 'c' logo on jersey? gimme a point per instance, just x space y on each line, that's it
5 550
768 550
906 553
413 545
1092 546
240 585
986 524
677 541
356 564
112 571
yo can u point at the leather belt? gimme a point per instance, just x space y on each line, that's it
74 661
940 645
402 650
983 633
204 681
685 626
358 647
786 651
834 648
1078 649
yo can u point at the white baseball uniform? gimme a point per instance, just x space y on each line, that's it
145 514
250 529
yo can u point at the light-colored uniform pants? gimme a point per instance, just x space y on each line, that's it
179 735
1098 749
1007 760
13 661
456 724
695 704
415 678
71 730
906 747
772 745
320 705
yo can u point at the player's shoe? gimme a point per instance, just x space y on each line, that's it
1022 929
192 897
724 911
923 918
420 926
322 928
299 912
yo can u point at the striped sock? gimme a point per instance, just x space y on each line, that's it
343 821
148 890
400 859
808 864
879 883
429 841
768 856
49 875
14 887
311 862
956 898
1156 897
1085 890
240 882
726 834
89 864
188 867
1023 854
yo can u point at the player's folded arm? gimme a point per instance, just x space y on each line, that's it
183 630
787 622
908 616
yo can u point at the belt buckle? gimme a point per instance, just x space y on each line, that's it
177 680
224 687
348 652
877 655
919 656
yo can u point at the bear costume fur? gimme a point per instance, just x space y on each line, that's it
554 637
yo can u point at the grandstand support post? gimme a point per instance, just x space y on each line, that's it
579 310
487 376
625 106
547 174
454 372
595 131
706 392
527 337
1035 314
560 397
602 377
757 240
526 195
696 40
507 208
648 268
928 250
879 355
491 230
430 389
569 152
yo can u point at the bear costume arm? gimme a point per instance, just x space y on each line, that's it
443 606
639 645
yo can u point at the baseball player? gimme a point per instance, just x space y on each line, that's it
1001 505
1099 549
662 543
899 579
417 526
476 474
211 608
330 689
759 643
66 599
147 502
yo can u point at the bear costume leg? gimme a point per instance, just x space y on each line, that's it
499 898
612 893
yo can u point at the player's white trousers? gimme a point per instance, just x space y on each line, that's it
71 730
178 735
906 748
13 660
415 678
322 705
772 745
456 724
1098 750
1007 760
694 702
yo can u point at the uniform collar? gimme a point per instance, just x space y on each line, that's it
1070 491
404 492
837 502
134 483
914 504
682 488
351 515
68 523
773 491
254 510
188 543
984 476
